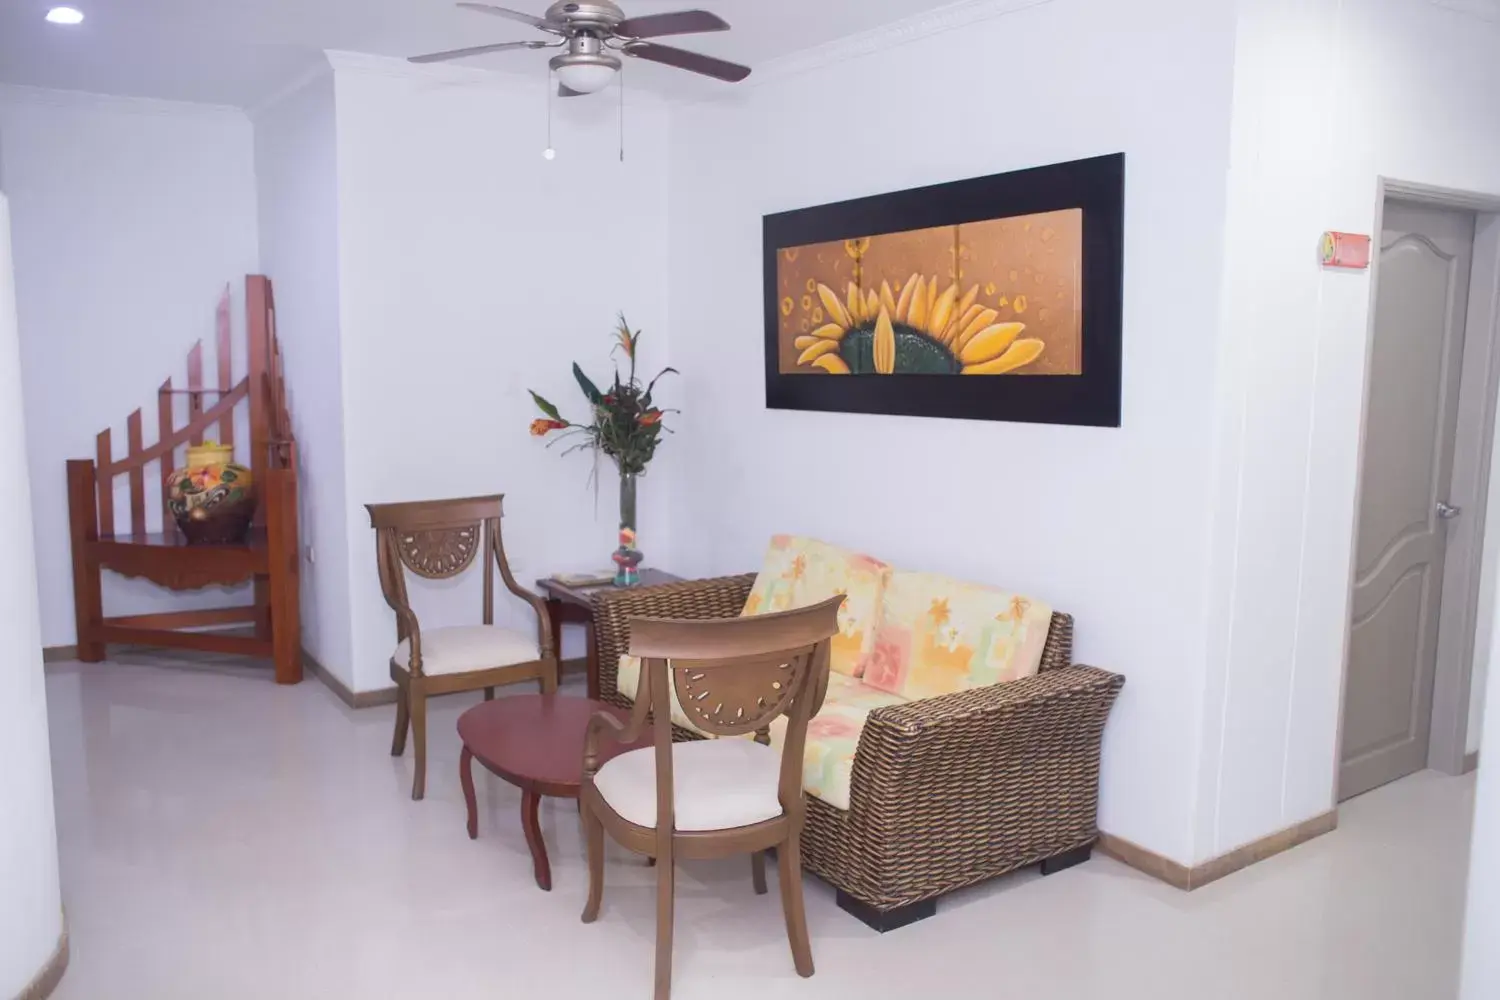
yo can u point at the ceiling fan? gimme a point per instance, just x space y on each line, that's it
592 34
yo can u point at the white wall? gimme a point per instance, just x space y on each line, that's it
472 269
1109 525
1329 95
1481 962
30 904
129 216
296 169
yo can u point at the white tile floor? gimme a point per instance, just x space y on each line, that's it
224 838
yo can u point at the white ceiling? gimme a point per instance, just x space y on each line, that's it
241 51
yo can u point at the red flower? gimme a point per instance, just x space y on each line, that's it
609 400
651 418
541 428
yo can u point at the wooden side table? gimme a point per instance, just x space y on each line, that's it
575 606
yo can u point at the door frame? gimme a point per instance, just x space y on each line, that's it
1446 748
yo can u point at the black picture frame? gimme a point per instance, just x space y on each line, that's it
1096 186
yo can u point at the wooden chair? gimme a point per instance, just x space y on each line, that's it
437 540
719 797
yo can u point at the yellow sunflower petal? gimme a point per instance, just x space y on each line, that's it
835 308
1021 353
942 313
904 303
957 320
932 295
832 332
872 305
887 300
885 344
856 304
832 364
921 308
989 343
962 320
804 342
971 329
817 350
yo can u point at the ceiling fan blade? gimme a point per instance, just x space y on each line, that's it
682 22
477 50
563 90
514 15
694 62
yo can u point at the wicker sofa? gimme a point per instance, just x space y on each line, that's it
945 791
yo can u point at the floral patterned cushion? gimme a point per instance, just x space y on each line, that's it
801 571
938 635
832 737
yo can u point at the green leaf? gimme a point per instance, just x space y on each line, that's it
546 407
589 389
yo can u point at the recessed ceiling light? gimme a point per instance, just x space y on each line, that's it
65 15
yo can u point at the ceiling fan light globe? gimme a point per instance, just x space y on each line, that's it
586 78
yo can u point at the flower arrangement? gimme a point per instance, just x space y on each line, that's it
627 426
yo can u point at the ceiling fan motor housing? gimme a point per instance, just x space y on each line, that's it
601 17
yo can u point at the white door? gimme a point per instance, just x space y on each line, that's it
1410 423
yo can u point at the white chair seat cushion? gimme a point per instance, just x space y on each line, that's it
465 648
716 785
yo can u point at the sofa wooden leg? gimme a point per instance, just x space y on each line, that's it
886 920
1063 862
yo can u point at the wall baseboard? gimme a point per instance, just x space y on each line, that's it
387 696
51 974
362 699
1196 877
1471 762
58 654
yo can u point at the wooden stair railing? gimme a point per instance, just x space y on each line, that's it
269 557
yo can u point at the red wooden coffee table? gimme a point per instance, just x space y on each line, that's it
535 742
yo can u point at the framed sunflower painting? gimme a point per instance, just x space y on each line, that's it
875 305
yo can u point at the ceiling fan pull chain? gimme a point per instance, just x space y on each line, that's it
622 114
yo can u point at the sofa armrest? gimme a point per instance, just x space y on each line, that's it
723 597
1014 763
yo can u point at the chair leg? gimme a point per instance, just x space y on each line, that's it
419 737
664 902
593 835
789 865
758 872
403 722
489 694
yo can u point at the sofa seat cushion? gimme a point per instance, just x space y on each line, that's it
832 737
799 572
465 648
938 636
716 785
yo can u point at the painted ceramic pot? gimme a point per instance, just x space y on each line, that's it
212 497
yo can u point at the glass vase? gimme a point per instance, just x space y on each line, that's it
627 557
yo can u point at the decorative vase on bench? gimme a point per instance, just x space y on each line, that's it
626 428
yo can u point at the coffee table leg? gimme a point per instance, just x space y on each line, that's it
466 777
529 803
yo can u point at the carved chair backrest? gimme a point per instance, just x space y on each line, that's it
734 677
437 540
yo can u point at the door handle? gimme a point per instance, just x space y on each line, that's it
1446 512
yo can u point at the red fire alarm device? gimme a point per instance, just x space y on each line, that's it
1346 250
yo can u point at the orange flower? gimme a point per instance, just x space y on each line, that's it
541 428
939 612
651 418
